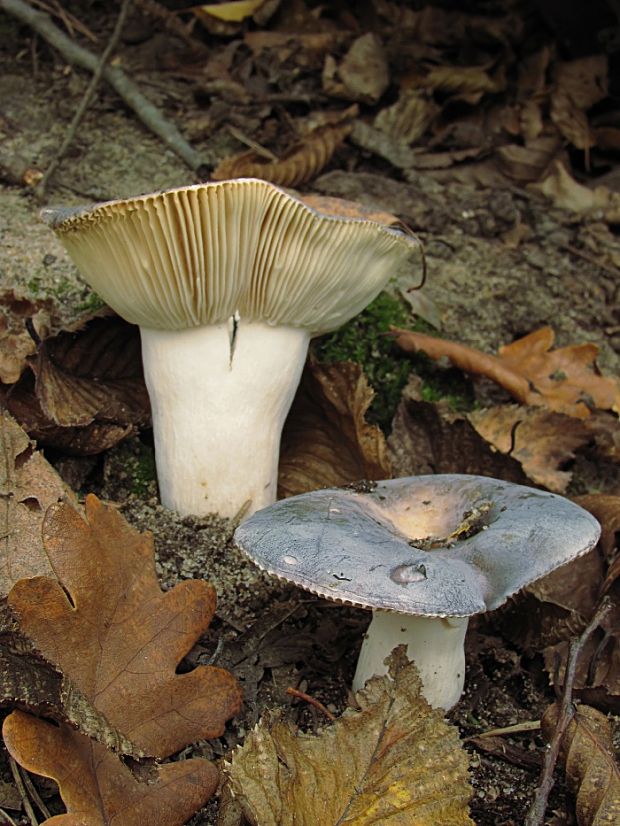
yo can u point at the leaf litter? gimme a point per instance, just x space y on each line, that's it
440 93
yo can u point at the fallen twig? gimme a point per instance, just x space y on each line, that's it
301 695
86 99
19 782
124 87
536 813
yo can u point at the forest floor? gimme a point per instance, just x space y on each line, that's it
501 262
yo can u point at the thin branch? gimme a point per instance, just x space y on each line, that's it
536 813
149 114
22 792
86 99
301 695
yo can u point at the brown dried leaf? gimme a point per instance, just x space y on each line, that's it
118 637
468 83
300 164
99 790
28 487
527 163
362 75
31 684
591 770
564 191
565 380
579 84
326 440
16 342
431 438
607 510
541 440
397 760
89 391
408 119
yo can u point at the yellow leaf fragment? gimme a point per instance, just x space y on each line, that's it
233 12
397 762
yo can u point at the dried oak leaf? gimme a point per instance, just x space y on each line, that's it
541 440
89 391
31 684
431 438
565 380
302 162
28 487
107 625
397 761
96 787
326 440
591 770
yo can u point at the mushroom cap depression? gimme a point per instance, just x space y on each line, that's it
444 545
199 254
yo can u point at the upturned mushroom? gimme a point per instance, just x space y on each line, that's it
425 553
228 282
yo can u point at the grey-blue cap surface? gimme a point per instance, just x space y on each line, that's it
443 545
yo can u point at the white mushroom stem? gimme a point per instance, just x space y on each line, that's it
219 399
435 644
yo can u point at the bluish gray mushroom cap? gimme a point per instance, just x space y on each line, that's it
444 545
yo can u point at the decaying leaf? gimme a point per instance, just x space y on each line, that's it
16 342
565 380
527 163
606 509
408 119
33 685
326 440
303 161
398 762
89 380
108 626
591 770
431 438
541 440
579 84
96 787
363 73
28 487
564 192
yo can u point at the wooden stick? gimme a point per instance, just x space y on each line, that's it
85 102
301 695
22 792
536 813
149 114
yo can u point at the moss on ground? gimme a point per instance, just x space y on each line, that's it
364 340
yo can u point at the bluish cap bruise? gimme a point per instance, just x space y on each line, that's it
343 545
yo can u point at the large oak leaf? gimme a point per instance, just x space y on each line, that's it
107 624
98 790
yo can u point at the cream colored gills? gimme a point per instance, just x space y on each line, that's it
218 412
181 264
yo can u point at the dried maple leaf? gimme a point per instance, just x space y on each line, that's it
591 770
326 440
108 626
397 762
28 487
541 440
565 380
298 165
431 438
99 790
